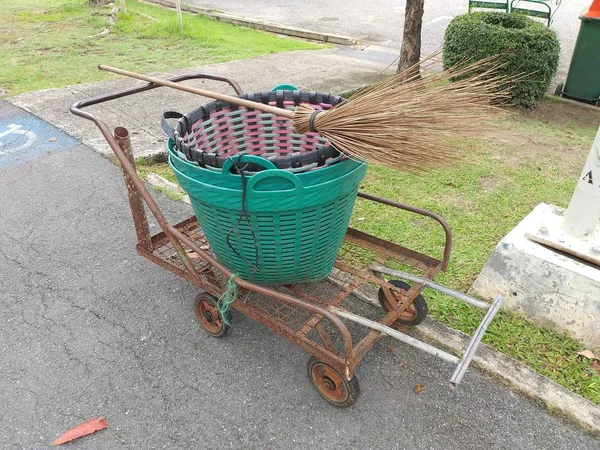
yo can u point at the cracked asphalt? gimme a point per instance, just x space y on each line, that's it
88 328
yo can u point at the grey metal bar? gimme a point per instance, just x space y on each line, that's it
475 340
395 334
431 284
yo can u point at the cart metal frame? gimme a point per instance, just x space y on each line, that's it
305 314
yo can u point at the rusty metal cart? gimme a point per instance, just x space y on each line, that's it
309 314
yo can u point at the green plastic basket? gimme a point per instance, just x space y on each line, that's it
296 230
308 178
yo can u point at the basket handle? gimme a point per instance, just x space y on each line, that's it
166 126
251 159
271 174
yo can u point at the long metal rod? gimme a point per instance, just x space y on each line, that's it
431 284
475 340
395 334
77 107
216 95
140 219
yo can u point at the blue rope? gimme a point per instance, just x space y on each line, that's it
227 299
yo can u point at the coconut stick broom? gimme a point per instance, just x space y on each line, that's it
406 122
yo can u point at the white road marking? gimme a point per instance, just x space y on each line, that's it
13 128
436 20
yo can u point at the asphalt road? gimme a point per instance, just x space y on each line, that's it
88 328
380 22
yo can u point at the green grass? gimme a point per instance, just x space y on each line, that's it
163 169
483 200
47 44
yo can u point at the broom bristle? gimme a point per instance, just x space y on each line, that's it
408 122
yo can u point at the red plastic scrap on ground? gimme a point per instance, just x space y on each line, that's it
89 427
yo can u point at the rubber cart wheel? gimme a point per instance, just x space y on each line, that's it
414 314
208 315
332 386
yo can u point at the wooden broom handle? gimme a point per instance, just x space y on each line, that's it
227 98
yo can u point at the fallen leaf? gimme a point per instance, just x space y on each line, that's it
402 363
418 388
389 350
587 354
595 365
89 427
52 139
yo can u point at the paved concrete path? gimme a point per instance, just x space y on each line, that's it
334 70
381 22
88 328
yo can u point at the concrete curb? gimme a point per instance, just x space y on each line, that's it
271 27
511 372
574 102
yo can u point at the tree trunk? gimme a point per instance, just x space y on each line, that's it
410 52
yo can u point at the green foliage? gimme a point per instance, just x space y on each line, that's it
529 50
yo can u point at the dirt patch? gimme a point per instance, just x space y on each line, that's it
563 113
527 148
490 183
564 146
459 202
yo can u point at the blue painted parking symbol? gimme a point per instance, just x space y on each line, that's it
24 137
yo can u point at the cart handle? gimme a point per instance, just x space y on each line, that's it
76 108
423 212
431 284
462 363
471 348
128 166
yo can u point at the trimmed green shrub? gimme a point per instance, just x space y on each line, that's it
526 46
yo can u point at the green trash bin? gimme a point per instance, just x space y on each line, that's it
583 79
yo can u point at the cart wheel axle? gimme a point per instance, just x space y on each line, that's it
209 316
331 385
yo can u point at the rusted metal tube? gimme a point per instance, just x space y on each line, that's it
423 212
475 340
140 220
395 334
431 284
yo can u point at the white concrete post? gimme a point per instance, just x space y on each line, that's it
583 212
